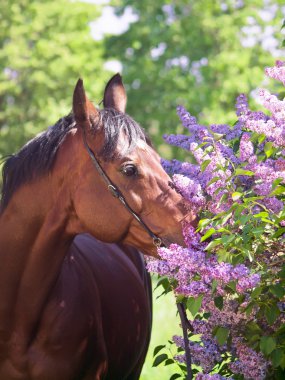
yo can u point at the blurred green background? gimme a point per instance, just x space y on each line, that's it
201 54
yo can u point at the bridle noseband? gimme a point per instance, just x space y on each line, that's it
117 193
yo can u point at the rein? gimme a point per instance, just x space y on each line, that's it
117 193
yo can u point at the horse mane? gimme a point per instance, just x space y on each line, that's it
36 158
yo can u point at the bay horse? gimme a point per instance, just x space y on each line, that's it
75 298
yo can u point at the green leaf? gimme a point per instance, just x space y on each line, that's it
249 308
204 165
277 357
267 344
203 223
262 214
232 285
227 239
279 190
219 302
258 230
194 304
278 290
175 376
281 273
214 285
164 282
252 331
256 292
213 244
269 149
159 359
279 232
244 172
221 335
271 313
157 349
236 195
226 218
209 233
169 362
213 180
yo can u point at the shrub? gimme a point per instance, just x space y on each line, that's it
231 275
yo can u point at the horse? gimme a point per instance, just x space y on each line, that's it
79 201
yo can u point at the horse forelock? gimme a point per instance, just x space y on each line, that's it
36 158
115 125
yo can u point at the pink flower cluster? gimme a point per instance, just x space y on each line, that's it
246 159
194 270
249 363
213 174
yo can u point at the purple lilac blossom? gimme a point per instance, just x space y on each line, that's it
208 184
277 72
191 190
203 376
250 364
246 148
185 264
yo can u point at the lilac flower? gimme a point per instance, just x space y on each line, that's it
277 72
273 204
191 191
247 282
222 129
203 376
279 166
184 168
191 238
187 120
241 105
250 364
204 355
273 104
194 289
158 266
246 148
179 140
208 186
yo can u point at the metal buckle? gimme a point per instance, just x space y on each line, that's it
157 241
114 191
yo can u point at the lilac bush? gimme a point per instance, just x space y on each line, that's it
231 273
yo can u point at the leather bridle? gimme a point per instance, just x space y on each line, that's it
156 241
117 193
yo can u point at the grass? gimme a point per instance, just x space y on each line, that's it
165 325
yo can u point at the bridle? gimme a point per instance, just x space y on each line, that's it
117 193
156 241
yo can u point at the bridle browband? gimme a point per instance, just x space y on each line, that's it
117 193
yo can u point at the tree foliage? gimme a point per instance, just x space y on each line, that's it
198 53
45 47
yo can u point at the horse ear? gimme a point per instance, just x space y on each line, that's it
83 109
115 94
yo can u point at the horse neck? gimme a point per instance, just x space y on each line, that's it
34 238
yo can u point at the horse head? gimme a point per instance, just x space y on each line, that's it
128 160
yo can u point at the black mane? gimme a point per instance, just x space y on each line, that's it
36 158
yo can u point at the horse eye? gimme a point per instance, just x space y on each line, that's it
130 170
